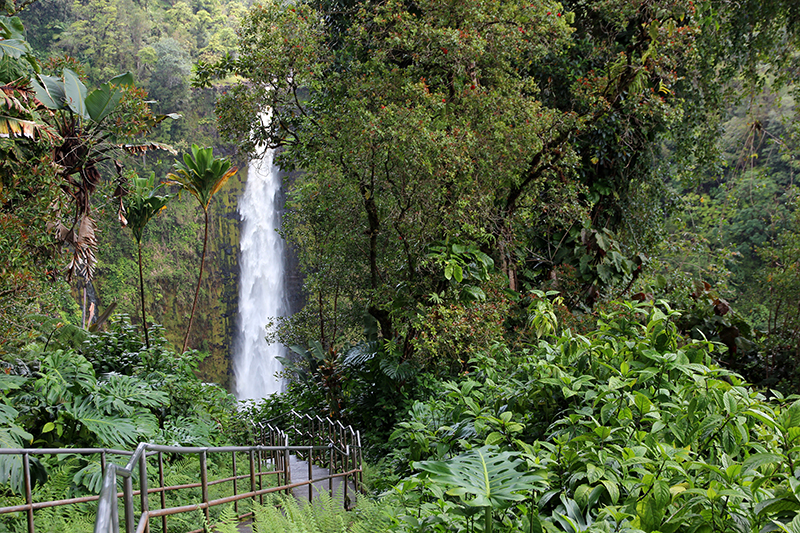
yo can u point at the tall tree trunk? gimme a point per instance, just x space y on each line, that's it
141 293
199 279
373 218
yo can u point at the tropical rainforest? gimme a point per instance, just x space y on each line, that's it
549 251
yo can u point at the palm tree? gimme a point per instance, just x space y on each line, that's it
202 175
138 207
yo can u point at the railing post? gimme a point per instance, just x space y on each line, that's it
163 493
235 474
143 495
115 505
253 472
127 495
310 474
204 486
330 470
345 464
360 461
261 476
26 474
287 469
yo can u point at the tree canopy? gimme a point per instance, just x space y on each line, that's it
530 131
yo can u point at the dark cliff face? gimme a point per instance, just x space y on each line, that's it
215 333
218 332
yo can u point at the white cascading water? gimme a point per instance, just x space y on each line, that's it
262 295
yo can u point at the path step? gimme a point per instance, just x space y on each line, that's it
299 473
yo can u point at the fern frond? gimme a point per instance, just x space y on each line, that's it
227 521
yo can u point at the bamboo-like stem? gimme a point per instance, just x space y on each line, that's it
141 293
199 280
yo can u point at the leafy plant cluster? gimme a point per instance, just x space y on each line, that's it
630 427
81 389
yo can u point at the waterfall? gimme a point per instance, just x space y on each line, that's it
261 284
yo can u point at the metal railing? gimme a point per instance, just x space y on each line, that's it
334 446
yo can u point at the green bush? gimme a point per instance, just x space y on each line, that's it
630 427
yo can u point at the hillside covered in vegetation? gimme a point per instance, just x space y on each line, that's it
549 250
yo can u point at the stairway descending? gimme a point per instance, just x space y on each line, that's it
299 473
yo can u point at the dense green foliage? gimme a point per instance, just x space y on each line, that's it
160 53
628 428
479 182
72 388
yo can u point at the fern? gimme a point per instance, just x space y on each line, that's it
59 483
283 514
227 521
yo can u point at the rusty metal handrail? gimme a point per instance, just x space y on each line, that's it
332 444
108 515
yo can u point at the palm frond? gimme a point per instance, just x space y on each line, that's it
202 174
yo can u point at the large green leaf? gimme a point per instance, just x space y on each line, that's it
75 92
91 475
15 48
65 374
121 393
11 465
110 430
484 477
11 28
50 91
102 101
125 78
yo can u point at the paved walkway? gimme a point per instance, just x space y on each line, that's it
300 473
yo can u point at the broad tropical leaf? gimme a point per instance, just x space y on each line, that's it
121 393
202 174
11 465
50 91
484 477
102 101
91 475
11 28
11 436
15 48
75 92
65 374
109 430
